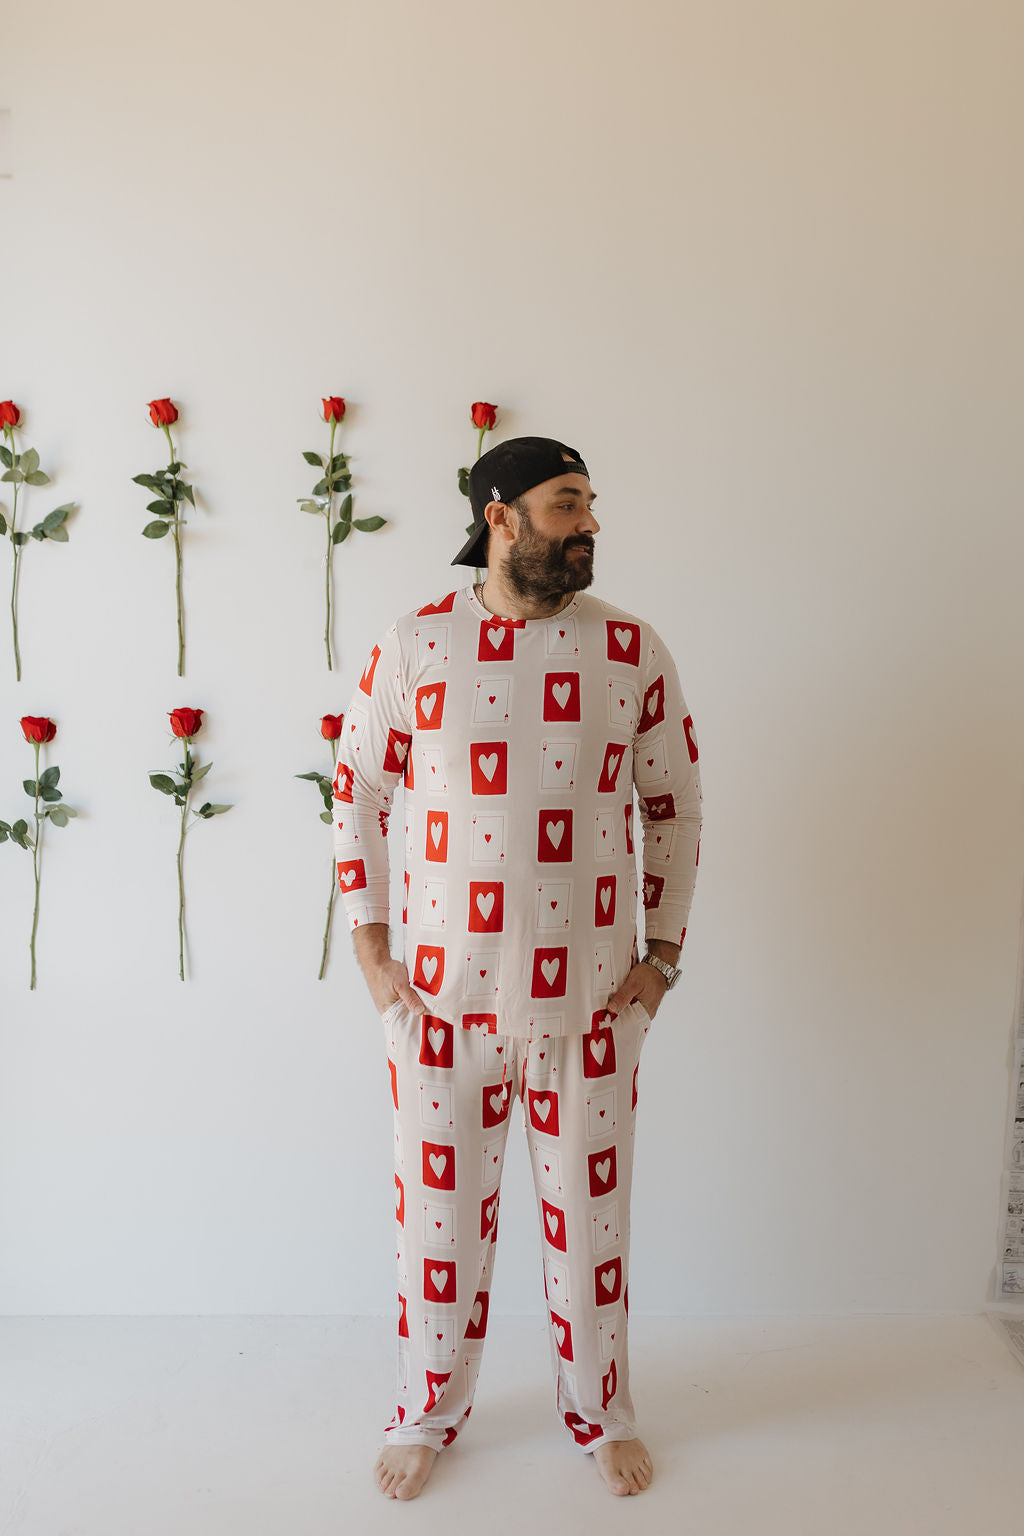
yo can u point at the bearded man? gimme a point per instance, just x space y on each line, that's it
519 714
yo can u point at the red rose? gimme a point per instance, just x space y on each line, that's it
9 414
38 728
162 413
185 722
334 408
483 414
330 727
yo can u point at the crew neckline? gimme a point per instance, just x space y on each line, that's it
549 618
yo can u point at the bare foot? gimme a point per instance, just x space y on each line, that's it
401 1470
625 1465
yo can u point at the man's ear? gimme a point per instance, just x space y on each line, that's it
499 519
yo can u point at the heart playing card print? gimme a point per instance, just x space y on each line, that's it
520 745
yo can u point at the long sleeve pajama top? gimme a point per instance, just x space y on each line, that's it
519 742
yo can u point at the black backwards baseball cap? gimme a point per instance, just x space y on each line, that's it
505 472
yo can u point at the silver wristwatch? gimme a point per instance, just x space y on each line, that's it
671 973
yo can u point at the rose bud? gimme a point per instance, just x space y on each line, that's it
330 727
38 728
334 408
9 414
162 413
483 414
185 722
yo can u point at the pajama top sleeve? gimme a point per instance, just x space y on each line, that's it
375 741
667 776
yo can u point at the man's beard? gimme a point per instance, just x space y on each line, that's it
544 570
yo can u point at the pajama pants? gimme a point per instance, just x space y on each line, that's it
453 1089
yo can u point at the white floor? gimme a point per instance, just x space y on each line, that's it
269 1426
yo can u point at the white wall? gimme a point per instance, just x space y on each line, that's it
761 264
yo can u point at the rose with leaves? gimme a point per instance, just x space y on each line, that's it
171 493
483 415
330 730
20 469
37 731
335 478
186 724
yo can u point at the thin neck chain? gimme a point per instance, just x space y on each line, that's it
478 588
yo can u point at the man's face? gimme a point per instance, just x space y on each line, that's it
553 551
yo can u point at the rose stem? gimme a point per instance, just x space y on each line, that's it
334 887
181 886
9 434
177 561
35 875
327 560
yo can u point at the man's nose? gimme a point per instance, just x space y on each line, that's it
588 523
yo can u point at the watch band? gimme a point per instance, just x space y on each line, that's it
671 973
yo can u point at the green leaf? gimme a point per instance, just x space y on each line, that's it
205 810
369 524
164 507
29 461
326 816
314 776
5 457
58 815
464 481
38 532
69 810
58 535
21 835
164 783
186 491
321 488
311 506
345 510
217 810
198 773
150 482
3 523
20 538
51 796
341 533
37 478
15 476
339 458
5 831
55 518
340 479
49 776
29 786
155 530
313 458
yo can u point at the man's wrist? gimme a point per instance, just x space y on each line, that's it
372 942
664 949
